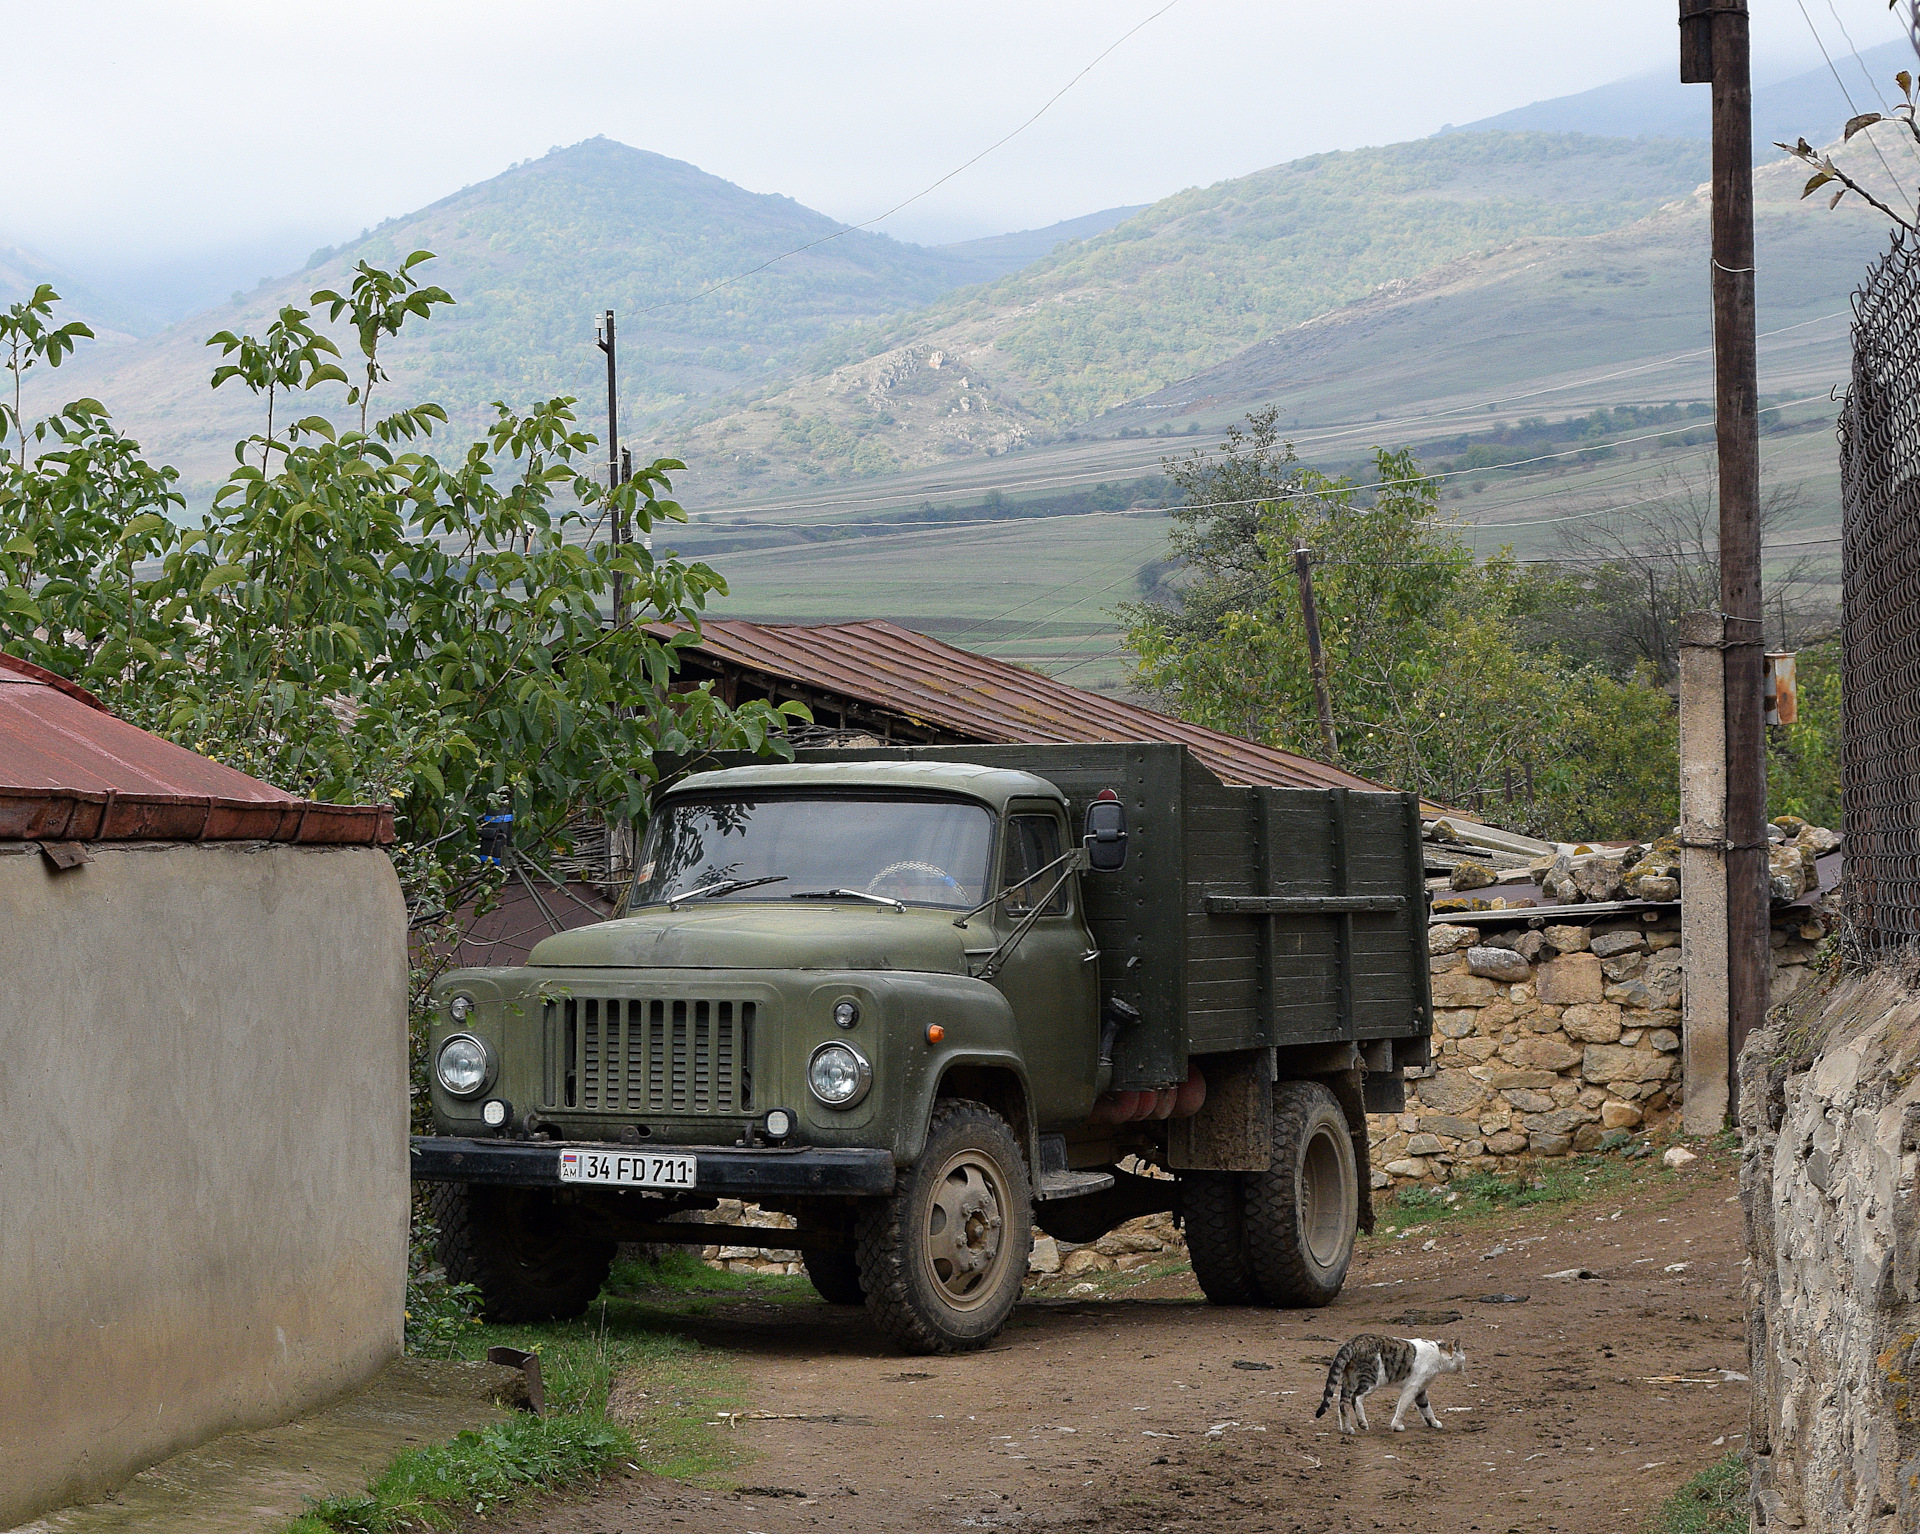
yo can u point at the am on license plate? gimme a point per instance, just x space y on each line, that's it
627 1169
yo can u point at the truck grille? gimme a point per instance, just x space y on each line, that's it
655 1055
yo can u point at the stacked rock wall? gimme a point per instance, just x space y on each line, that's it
1550 1040
1830 1114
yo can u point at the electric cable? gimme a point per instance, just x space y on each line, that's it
825 239
1854 111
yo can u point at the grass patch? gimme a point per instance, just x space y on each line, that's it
1713 1502
433 1487
679 1274
1546 1185
625 1387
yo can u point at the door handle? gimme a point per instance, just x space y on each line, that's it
1090 955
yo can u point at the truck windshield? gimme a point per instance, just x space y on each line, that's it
925 852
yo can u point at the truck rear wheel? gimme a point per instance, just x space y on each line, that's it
519 1249
943 1259
1302 1212
1211 1206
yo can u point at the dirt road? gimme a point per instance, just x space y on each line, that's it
1150 1412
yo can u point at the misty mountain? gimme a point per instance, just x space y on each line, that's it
999 255
1187 283
1657 105
532 257
110 317
1633 300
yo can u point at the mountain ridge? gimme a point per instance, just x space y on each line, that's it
1186 283
532 256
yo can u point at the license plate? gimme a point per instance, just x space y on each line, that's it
627 1169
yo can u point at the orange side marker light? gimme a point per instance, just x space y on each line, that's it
935 1033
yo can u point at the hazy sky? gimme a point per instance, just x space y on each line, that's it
157 129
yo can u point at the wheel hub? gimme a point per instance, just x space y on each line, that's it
965 1229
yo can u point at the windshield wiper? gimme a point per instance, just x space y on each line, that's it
722 887
833 894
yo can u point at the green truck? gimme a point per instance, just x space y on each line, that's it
922 999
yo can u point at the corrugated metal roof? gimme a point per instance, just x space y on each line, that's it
72 770
987 700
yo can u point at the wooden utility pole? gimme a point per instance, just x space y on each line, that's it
1316 656
1714 49
604 339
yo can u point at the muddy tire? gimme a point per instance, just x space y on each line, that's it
943 1259
520 1250
835 1277
1211 1204
1301 1213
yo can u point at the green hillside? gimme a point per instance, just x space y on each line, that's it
532 256
1187 283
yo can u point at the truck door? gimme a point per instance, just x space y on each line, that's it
1049 979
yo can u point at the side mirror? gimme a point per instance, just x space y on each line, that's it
1106 838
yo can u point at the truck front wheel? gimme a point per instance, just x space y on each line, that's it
1302 1211
943 1259
519 1249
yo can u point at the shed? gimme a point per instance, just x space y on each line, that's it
909 689
203 1068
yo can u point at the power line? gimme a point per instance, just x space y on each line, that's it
1867 74
1853 110
924 191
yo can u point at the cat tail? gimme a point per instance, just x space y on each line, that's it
1333 1379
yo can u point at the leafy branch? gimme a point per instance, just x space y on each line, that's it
1827 173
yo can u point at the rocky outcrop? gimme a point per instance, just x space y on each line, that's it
1830 1109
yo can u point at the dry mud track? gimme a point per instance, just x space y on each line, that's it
1141 1413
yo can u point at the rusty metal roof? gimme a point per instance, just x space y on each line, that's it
72 770
986 700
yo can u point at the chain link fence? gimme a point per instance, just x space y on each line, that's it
1880 527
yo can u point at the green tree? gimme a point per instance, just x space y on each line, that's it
1803 758
1430 691
356 618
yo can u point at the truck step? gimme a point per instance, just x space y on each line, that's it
1052 1185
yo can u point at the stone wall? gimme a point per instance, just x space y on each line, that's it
1552 1039
1830 1114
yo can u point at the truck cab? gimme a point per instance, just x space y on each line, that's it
868 993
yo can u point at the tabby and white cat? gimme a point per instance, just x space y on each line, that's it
1368 1362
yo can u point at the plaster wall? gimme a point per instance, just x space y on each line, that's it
203 1170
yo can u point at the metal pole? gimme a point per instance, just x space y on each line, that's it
1316 657
605 340
1714 33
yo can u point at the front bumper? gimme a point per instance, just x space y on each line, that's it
730 1171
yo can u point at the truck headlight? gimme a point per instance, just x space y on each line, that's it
838 1074
462 1065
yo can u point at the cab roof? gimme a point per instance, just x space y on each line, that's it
992 786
